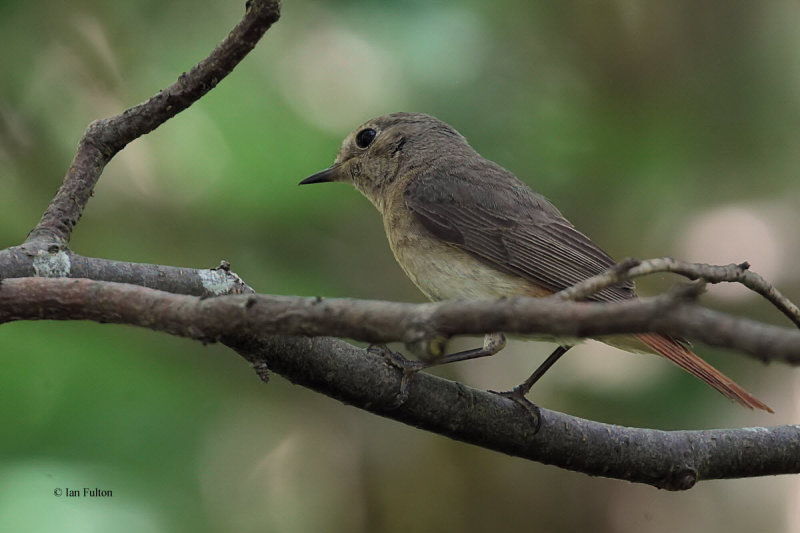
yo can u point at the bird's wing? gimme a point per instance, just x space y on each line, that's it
502 222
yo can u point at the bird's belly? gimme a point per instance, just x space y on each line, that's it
444 272
456 275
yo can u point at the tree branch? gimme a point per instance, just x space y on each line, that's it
31 259
633 268
378 322
104 138
673 460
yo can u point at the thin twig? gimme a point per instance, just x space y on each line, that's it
104 138
733 273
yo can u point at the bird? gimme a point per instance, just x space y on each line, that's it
463 227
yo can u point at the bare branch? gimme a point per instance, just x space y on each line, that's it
376 321
104 138
32 259
633 268
673 460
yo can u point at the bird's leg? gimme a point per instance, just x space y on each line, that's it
492 343
518 393
524 388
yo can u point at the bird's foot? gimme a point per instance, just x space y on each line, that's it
517 395
397 360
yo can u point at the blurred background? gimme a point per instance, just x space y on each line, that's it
659 129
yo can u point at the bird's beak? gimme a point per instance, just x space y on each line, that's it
329 174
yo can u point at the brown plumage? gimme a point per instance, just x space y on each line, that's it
462 226
502 222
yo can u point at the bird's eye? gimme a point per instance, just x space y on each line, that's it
365 137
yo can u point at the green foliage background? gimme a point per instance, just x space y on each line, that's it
664 128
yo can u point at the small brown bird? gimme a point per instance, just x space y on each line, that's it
463 227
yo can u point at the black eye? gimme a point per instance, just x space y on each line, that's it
365 137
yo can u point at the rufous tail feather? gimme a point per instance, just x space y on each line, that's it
684 358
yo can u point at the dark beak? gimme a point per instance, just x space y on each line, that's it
329 174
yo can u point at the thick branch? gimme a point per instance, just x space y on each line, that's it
672 460
104 138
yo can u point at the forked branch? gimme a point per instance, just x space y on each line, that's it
265 329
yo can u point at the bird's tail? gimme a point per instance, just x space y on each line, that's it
689 361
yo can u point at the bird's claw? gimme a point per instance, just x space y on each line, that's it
517 396
397 360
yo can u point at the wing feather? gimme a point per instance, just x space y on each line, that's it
499 220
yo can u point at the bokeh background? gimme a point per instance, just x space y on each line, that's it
659 128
